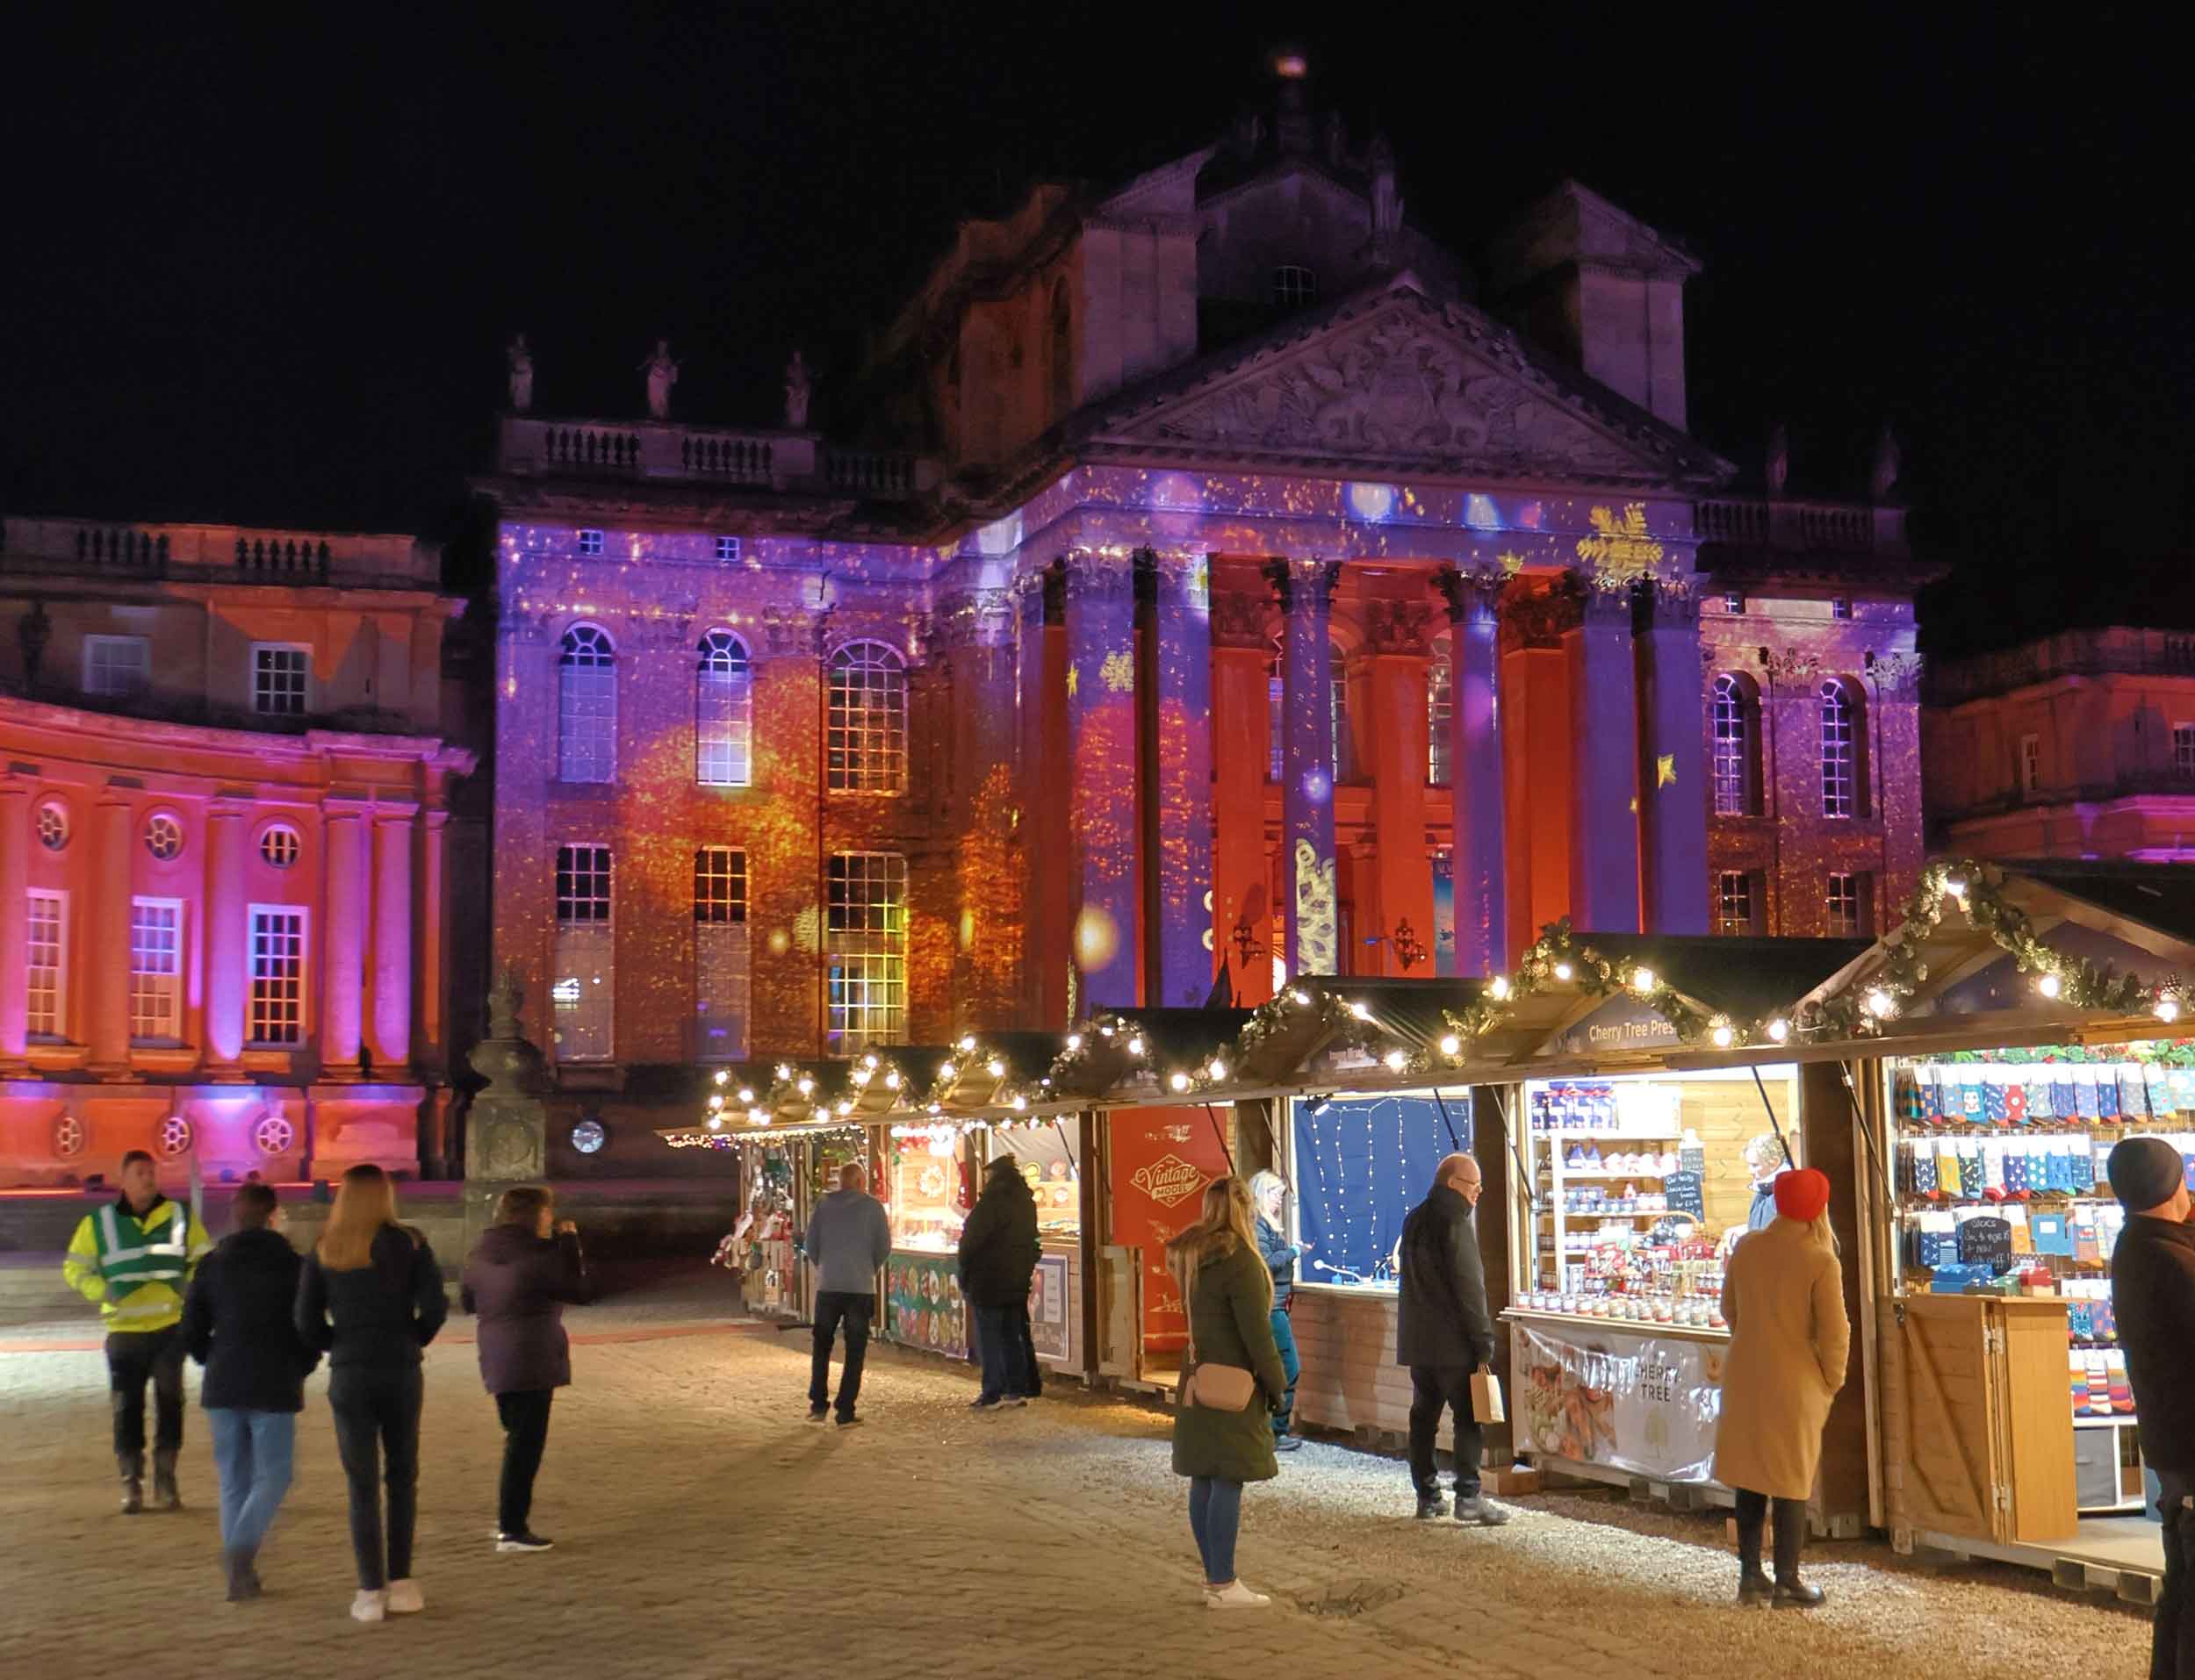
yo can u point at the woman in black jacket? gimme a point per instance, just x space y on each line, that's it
370 1298
526 1267
999 1248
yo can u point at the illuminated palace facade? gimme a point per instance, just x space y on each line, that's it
1257 587
222 849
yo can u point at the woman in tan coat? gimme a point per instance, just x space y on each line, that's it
1783 1295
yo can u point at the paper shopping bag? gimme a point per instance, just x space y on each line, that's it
1485 1398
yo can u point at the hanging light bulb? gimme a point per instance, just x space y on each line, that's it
1360 1011
1019 1104
891 1080
1722 1036
1642 979
1880 1004
784 1070
869 1062
715 1123
1179 1081
2048 983
1135 1046
2168 1007
946 1070
1779 1030
1564 971
1218 1069
1074 1042
995 1068
861 1077
807 1086
723 1074
968 1042
747 1093
716 1100
1396 1061
1498 988
1957 885
1451 1045
1301 998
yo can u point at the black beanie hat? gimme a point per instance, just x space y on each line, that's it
2144 1173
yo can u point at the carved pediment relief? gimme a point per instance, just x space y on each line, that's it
1401 384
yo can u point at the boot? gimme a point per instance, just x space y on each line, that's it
244 1580
166 1495
1753 1585
131 1466
1791 1593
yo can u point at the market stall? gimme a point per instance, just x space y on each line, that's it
2015 1028
928 1185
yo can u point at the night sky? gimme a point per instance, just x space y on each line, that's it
266 276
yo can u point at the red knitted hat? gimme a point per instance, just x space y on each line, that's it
1801 1194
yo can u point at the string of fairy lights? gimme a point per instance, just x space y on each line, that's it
977 1087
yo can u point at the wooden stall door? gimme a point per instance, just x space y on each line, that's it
1941 1469
2037 1420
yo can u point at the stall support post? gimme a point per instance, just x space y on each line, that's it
1257 1146
1090 1148
1490 1147
1830 1144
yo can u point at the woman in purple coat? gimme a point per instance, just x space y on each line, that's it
526 1266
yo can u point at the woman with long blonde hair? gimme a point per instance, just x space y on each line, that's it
1783 1294
1232 1380
371 1298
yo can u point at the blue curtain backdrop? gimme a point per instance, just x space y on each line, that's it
1360 1167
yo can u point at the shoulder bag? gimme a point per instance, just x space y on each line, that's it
1216 1388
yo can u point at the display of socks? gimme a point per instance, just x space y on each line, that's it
1972 1176
2133 1101
2041 1110
1993 1109
2083 1164
2100 1386
2016 1101
2017 1162
1994 1187
2106 1093
2121 1393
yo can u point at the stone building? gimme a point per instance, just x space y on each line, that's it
222 849
2079 745
1241 583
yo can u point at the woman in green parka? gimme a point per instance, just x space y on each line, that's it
1229 1296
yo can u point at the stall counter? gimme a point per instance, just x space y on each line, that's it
1615 1400
922 1307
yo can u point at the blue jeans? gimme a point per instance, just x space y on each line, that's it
998 1348
1215 1514
252 1454
1291 1365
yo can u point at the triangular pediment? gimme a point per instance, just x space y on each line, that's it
1392 380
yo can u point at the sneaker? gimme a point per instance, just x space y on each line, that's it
1287 1443
1015 1400
1234 1596
405 1598
849 1422
1431 1505
369 1606
1481 1513
817 1414
991 1402
524 1541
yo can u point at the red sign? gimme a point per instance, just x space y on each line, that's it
1161 1159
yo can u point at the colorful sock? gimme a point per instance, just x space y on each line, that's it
2076 1364
2122 1392
1970 1101
1921 1167
1993 1099
1971 1180
2100 1386
2084 1153
2085 1094
1994 1185
1948 1177
2156 1088
2040 1107
2062 1099
2016 1101
2133 1102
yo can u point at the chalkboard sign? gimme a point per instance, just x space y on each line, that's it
1693 1159
1684 1191
1986 1242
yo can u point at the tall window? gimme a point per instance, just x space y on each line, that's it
586 707
155 970
275 1016
1294 286
866 736
866 930
1732 712
116 666
1062 350
721 974
2184 750
47 966
1840 751
1337 712
1733 903
1440 714
723 708
1276 714
582 992
2030 764
1846 901
280 672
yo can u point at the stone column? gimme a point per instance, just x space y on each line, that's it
1102 794
1241 751
1180 963
1477 859
1604 759
15 921
225 937
1306 593
1400 664
343 939
105 964
1041 748
1673 786
433 986
394 829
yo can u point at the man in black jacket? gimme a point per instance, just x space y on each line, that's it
237 1323
1443 1333
998 1256
2153 1296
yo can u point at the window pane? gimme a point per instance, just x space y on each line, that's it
586 708
156 969
582 992
1839 751
1440 715
867 943
1733 903
721 982
866 736
278 681
582 884
1843 903
47 964
277 1015
116 666
724 706
1732 752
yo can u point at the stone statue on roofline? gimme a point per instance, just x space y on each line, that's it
663 373
1882 481
796 393
521 359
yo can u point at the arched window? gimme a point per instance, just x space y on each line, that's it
1337 713
865 743
1734 729
723 713
1844 751
1439 713
1062 360
1294 286
586 707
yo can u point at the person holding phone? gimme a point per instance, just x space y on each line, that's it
1269 1190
